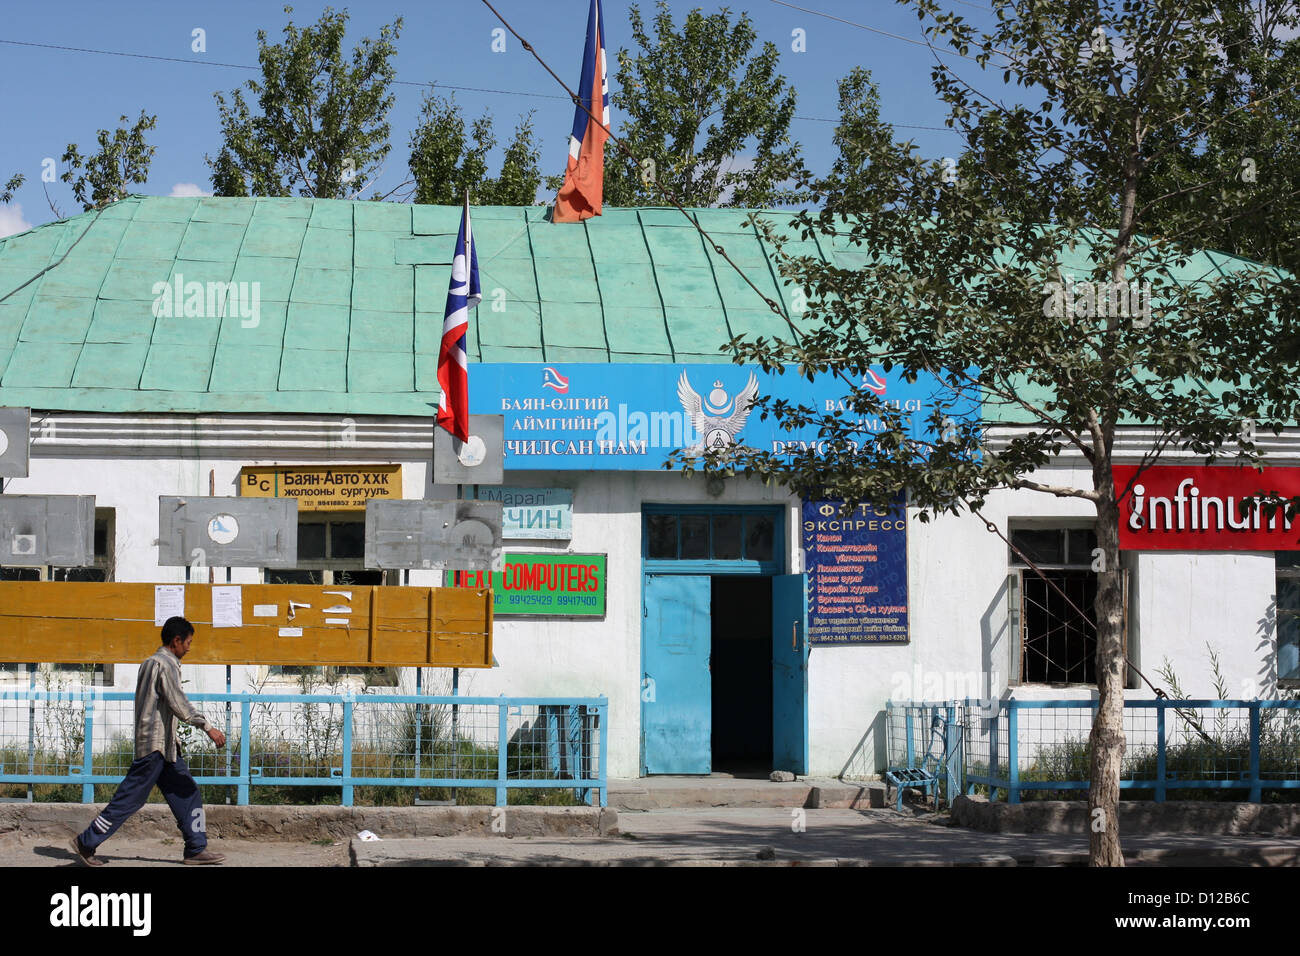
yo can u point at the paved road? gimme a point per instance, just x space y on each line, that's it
759 836
828 837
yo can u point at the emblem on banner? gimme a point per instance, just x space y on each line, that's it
719 418
554 380
873 382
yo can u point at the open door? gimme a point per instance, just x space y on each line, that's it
790 673
676 687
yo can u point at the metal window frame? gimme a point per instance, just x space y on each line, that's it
1016 620
1279 574
773 566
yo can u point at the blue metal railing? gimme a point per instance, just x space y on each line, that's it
1032 745
496 743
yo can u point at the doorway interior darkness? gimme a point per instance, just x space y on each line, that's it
740 666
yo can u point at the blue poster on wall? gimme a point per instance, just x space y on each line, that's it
603 416
857 573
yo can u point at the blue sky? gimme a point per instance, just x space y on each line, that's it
53 97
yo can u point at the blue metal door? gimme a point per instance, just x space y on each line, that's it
790 673
676 689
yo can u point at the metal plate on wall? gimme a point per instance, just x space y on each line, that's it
37 530
15 432
479 461
445 535
227 532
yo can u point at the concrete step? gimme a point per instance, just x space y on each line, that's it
720 790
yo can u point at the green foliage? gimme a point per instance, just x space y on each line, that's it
12 185
1253 137
445 164
713 118
318 120
106 176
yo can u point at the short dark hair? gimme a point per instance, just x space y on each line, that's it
176 627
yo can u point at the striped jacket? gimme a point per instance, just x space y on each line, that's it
159 702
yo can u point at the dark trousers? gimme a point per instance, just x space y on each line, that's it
177 786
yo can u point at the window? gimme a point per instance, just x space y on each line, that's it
100 571
715 536
1053 612
332 552
1288 618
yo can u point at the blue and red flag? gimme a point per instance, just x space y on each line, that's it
453 362
584 178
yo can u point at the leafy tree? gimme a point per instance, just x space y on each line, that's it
713 119
1036 301
122 161
444 164
318 123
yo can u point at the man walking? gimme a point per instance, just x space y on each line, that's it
159 702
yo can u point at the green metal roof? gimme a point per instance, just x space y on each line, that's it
351 298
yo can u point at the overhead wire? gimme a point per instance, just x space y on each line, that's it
421 85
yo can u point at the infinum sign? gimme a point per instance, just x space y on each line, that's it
1198 508
632 417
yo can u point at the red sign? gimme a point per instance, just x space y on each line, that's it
1195 508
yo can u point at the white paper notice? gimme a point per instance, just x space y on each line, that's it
338 620
266 610
291 632
228 606
168 601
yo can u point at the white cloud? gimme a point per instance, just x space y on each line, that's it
12 221
189 189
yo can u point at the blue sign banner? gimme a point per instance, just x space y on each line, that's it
857 573
632 417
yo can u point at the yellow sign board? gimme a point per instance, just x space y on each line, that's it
322 487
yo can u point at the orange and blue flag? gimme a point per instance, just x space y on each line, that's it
584 177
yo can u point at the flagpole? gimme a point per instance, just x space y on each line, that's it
460 496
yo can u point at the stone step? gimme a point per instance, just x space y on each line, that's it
684 793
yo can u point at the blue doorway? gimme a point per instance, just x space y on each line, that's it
724 659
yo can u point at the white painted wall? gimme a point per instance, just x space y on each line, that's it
957 573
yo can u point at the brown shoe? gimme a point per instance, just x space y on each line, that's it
87 858
206 857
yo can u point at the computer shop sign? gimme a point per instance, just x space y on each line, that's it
1205 508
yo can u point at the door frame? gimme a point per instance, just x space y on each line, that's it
734 567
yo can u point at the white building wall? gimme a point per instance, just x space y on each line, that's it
958 604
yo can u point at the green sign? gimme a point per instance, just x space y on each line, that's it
566 585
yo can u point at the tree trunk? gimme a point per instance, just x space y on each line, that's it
1107 737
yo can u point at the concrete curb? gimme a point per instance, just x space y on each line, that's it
314 823
1172 817
409 853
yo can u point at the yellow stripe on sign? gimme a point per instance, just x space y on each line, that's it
322 487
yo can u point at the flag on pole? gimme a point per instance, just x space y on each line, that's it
453 362
584 178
